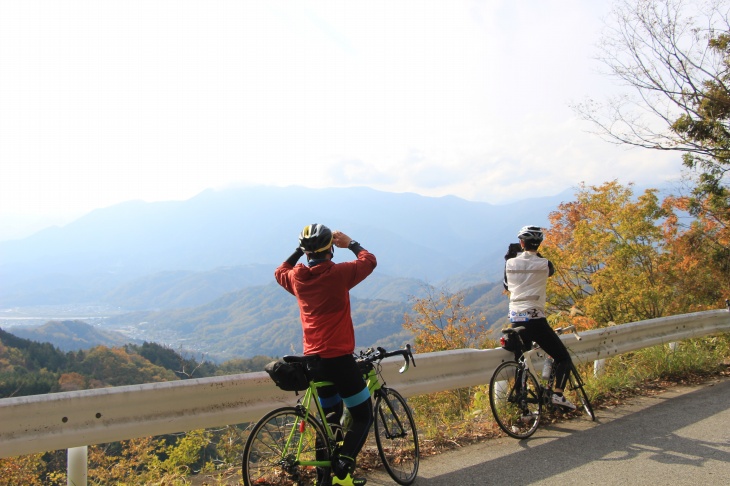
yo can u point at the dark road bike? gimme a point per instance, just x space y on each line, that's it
519 396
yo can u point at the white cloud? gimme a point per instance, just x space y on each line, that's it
102 102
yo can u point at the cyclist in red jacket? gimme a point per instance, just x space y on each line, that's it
322 289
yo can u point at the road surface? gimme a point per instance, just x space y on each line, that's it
680 436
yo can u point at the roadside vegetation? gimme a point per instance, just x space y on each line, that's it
446 420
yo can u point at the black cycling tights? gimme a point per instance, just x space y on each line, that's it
347 381
539 330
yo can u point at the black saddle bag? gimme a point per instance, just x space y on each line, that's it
288 376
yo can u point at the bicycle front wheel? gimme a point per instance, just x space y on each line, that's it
396 436
516 408
278 444
575 384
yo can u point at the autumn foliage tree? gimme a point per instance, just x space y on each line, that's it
441 321
28 470
673 58
701 245
609 254
623 258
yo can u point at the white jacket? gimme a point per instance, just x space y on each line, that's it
526 278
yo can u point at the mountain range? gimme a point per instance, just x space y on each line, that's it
199 272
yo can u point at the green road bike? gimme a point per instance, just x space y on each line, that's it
519 396
295 445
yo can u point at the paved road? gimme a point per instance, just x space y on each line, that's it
681 436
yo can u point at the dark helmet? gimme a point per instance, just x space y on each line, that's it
531 234
315 238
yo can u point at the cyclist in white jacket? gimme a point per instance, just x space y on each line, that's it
525 277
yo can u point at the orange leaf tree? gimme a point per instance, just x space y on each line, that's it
701 242
440 322
609 253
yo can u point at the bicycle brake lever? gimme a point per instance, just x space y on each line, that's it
406 363
410 353
404 368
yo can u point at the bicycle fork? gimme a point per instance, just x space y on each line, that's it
387 425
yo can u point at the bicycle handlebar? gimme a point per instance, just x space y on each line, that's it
370 355
563 330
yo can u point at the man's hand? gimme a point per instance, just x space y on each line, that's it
340 239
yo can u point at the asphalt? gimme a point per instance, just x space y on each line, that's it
680 436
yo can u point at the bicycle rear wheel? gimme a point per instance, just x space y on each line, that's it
575 385
396 436
516 408
277 443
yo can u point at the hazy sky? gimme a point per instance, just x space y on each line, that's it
107 101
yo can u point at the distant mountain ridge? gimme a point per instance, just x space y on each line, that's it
72 335
107 254
198 274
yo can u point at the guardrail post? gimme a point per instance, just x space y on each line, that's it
77 468
598 367
673 346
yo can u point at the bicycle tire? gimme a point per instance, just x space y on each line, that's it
271 450
576 385
396 436
517 412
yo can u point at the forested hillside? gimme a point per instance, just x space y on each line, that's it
245 328
265 320
72 335
30 368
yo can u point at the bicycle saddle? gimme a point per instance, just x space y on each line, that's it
513 330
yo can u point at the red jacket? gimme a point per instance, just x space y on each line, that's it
323 294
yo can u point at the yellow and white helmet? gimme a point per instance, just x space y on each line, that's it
315 238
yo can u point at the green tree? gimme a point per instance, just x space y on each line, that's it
116 367
674 56
168 358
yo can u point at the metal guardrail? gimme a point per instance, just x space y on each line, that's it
67 420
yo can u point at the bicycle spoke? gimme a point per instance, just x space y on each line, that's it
396 436
276 447
515 400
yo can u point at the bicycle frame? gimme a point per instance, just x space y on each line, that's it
527 359
518 407
527 355
289 443
305 405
